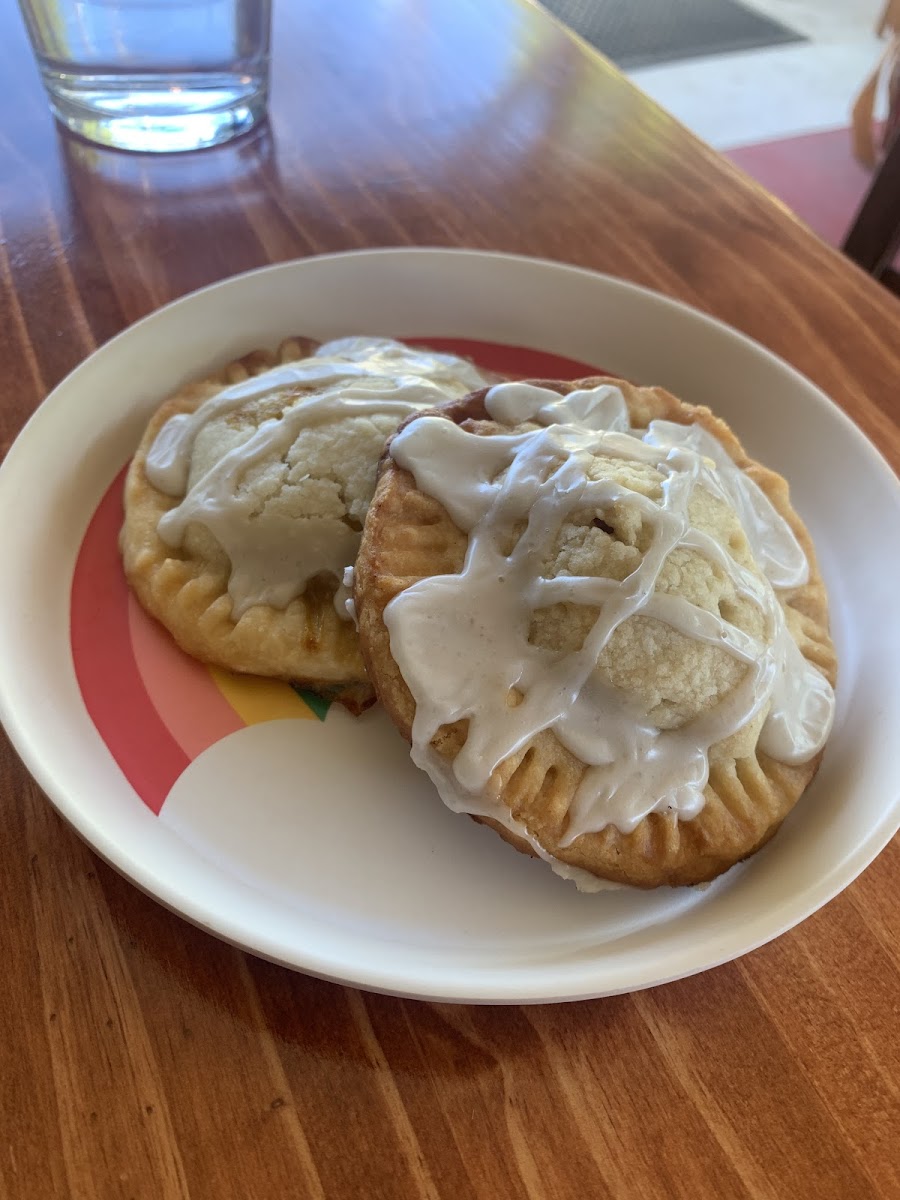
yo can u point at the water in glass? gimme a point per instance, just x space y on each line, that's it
153 75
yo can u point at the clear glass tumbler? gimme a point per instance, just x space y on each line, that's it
153 75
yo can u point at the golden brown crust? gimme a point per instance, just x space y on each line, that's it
409 535
306 642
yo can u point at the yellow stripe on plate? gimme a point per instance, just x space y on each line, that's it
255 699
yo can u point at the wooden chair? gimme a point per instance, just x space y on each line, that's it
874 236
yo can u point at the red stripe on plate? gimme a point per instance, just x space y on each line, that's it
181 689
111 687
511 360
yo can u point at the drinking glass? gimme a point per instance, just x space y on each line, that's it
153 75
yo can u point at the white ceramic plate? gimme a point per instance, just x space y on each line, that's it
314 842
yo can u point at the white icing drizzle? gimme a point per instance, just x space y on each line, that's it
274 555
344 603
461 641
775 547
802 709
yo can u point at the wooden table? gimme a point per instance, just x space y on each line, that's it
140 1057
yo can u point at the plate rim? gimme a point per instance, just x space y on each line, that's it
180 900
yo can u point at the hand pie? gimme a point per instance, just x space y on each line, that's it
246 497
600 624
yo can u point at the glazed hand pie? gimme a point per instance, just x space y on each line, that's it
245 501
600 624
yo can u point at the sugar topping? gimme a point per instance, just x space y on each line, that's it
682 643
276 472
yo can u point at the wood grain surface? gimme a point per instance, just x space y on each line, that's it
141 1058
